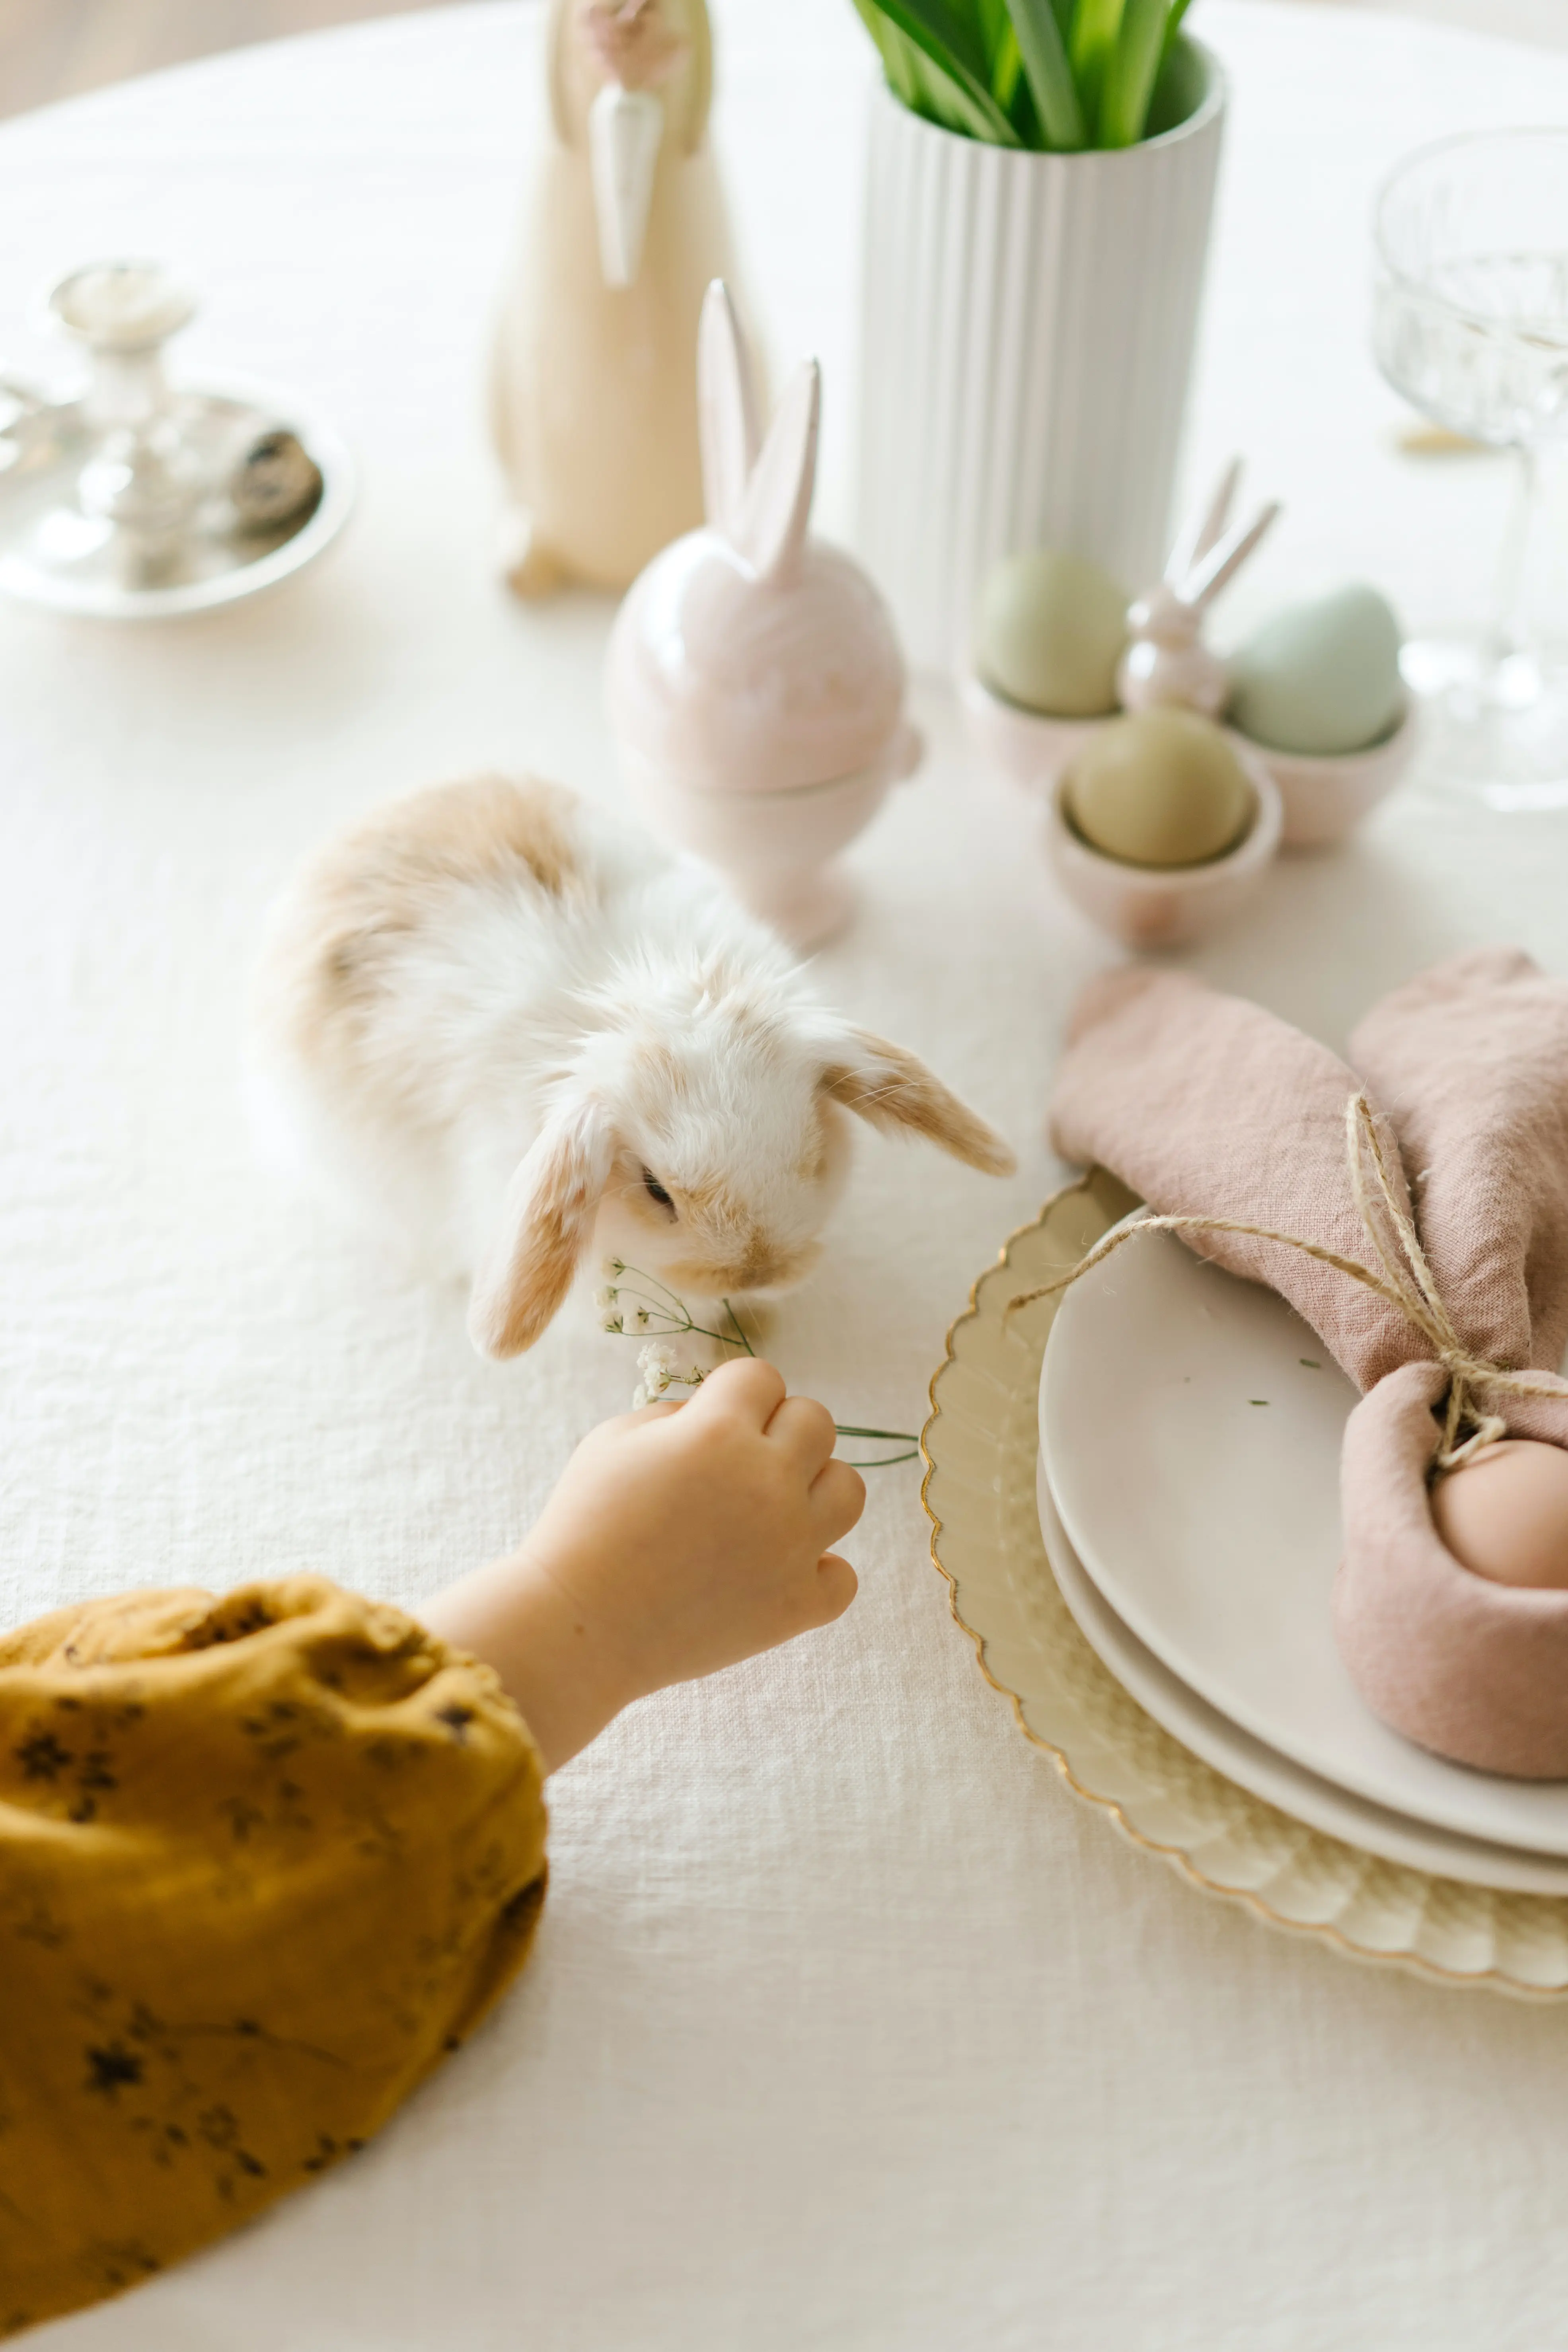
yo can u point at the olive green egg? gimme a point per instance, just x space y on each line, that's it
1321 678
1159 788
1051 630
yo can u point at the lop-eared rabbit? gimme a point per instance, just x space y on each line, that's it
510 1025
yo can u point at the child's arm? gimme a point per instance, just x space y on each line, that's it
158 1805
679 1539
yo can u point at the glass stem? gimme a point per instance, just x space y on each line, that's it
1508 636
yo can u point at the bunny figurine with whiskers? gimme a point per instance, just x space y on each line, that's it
519 1038
756 685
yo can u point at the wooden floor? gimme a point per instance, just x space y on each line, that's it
52 49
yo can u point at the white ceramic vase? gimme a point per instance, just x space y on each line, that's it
1026 336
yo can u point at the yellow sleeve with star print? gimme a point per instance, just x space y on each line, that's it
263 1860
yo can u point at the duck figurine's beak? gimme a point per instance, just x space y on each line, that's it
626 130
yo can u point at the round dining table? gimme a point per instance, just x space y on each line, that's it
849 2024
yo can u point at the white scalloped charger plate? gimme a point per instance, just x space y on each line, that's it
1191 1424
981 1445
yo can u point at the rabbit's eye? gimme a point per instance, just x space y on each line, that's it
655 1190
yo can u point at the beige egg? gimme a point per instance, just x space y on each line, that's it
1160 788
1505 1514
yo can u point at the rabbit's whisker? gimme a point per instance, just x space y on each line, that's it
878 1091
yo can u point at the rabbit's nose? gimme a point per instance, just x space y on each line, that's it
745 1268
774 1269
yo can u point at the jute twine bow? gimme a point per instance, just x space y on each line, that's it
1405 1281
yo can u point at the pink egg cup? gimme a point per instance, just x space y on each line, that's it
756 685
776 849
1322 800
1325 799
1150 906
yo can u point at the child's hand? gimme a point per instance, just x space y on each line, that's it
679 1540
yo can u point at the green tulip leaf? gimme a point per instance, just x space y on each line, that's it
951 49
1135 59
1049 75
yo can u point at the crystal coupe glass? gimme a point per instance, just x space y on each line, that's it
1470 325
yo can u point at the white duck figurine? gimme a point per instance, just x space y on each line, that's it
594 393
755 684
1166 661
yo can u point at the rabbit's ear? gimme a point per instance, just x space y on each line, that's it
778 502
1226 558
545 1226
895 1091
727 409
1205 527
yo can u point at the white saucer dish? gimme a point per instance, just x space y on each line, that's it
1191 1426
65 561
1319 1803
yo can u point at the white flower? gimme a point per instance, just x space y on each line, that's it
613 1323
643 1319
615 1267
639 1398
603 1297
656 1362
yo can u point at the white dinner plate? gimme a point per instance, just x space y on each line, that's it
1319 1803
1191 1427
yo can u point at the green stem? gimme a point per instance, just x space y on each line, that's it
1173 26
1049 73
678 1305
944 41
739 1333
653 1307
1131 71
685 1326
1006 70
904 1437
1095 23
894 1436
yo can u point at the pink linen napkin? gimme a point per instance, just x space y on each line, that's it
1208 1106
1471 1061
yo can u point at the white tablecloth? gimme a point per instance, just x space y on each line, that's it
848 2025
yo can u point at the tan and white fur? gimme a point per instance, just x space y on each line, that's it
519 1034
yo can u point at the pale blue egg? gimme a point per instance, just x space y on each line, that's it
1322 677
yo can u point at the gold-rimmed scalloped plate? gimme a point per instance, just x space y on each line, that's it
980 1446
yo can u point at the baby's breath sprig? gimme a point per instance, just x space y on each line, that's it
633 1303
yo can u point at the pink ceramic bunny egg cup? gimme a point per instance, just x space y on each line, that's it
756 688
1323 798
